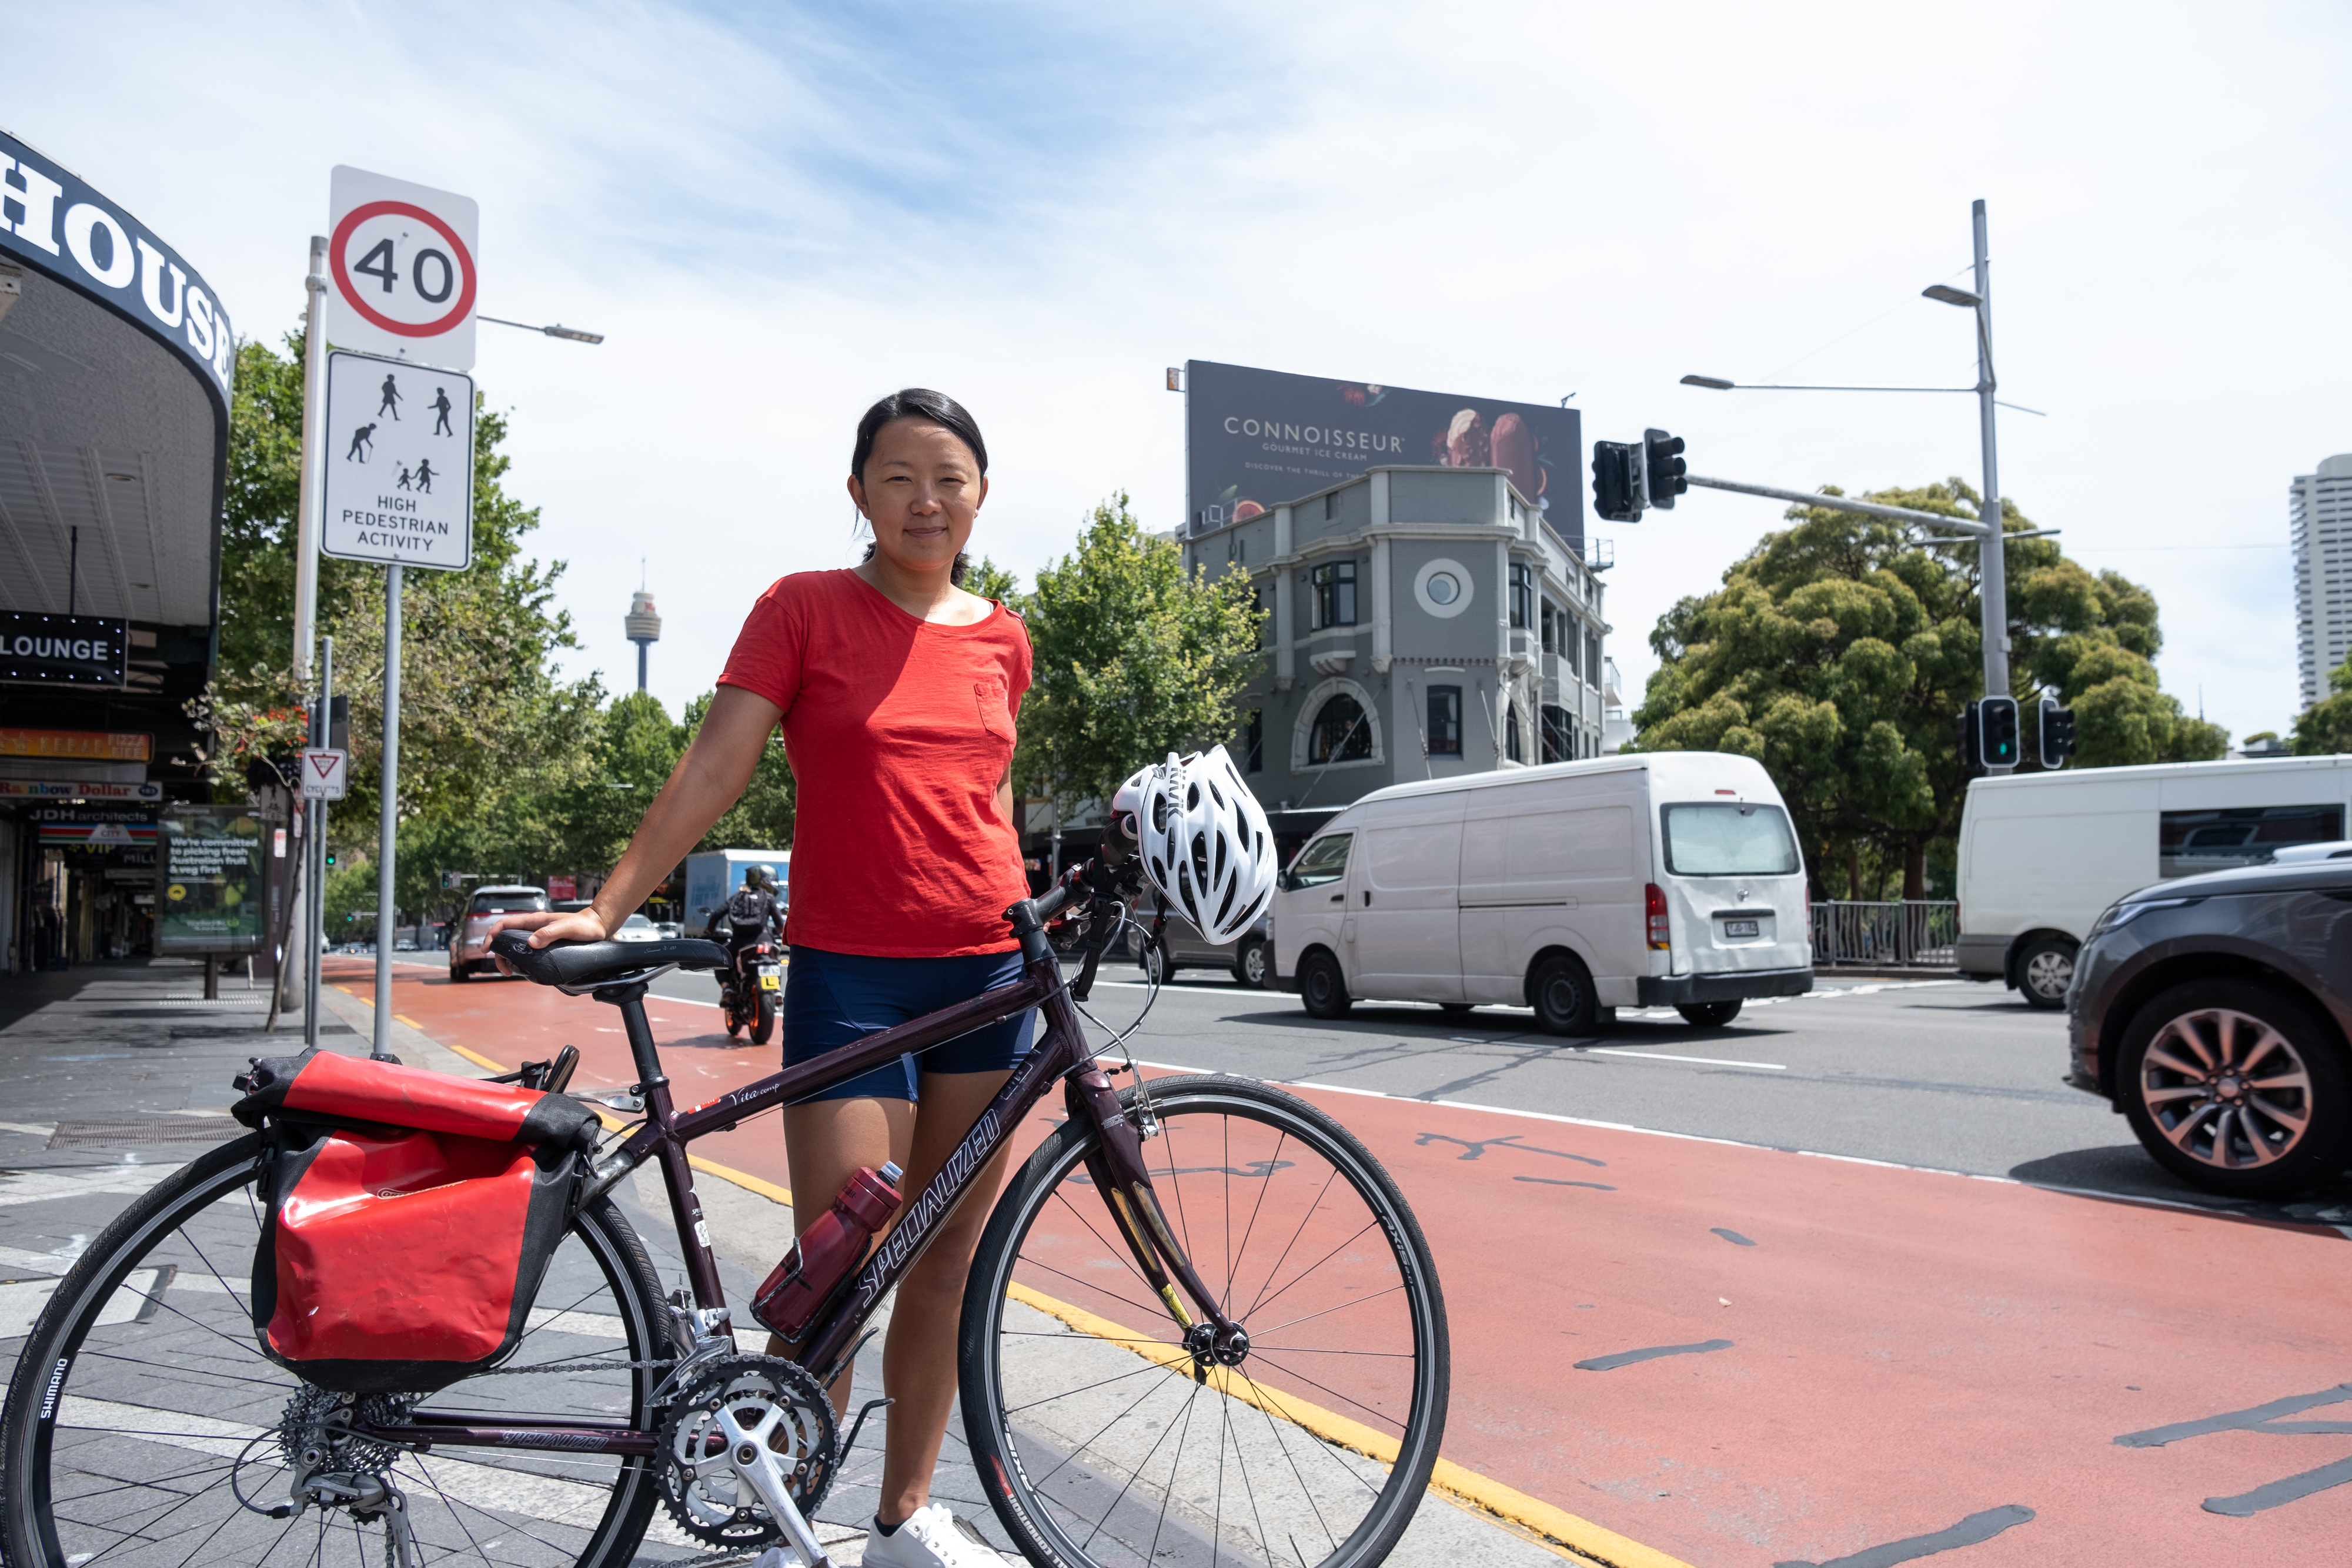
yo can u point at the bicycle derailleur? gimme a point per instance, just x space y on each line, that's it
745 1453
332 1467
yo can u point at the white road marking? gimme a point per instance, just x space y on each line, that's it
43 1187
1661 1056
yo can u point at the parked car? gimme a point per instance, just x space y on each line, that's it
637 929
1664 878
2043 853
1248 958
2213 1011
469 951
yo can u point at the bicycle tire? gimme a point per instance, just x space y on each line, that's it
199 1370
1045 1454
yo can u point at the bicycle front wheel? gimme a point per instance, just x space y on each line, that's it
1103 1444
145 1427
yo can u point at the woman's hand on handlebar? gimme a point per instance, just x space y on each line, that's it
579 925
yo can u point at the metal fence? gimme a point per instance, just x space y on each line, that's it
1909 933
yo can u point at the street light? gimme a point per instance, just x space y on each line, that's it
557 331
1949 295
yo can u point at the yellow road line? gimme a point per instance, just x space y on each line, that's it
1555 1527
404 1018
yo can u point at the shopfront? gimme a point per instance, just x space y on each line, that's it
115 359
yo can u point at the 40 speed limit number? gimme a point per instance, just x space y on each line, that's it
402 274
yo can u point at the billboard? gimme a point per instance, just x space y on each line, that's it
1254 438
211 881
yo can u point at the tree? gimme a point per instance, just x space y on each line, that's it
2325 728
482 714
1839 650
1134 659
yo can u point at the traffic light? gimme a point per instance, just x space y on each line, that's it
2055 742
1972 753
1997 732
1619 493
1662 461
331 857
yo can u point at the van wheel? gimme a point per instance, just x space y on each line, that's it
2044 970
1322 987
1709 1015
1253 963
1154 964
1562 994
458 973
2237 1088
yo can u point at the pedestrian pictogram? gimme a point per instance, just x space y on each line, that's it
324 774
401 491
402 276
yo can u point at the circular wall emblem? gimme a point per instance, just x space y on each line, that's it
431 286
1444 588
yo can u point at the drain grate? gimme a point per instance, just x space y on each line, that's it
145 1131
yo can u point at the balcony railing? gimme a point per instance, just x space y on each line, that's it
1911 933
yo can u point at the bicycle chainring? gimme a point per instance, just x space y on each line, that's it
784 1407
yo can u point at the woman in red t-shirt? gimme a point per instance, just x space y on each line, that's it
896 691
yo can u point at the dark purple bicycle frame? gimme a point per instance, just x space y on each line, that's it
1062 1052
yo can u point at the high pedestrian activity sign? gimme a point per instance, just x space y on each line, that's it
401 271
399 464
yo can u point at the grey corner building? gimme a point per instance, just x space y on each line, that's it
1420 622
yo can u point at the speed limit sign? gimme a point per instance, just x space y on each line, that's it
400 273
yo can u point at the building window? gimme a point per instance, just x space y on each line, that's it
1342 734
1445 721
1592 659
1512 748
1551 621
1335 595
1330 506
1558 736
1253 742
1523 595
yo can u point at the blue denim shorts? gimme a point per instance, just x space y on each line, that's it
833 1000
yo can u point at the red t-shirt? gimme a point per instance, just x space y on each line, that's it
899 731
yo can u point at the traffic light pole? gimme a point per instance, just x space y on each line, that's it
1993 566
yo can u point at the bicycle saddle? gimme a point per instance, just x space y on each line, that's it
600 963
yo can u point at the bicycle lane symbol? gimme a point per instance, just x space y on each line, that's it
2268 1419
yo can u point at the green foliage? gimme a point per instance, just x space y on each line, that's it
487 733
1134 660
1839 652
762 817
2326 727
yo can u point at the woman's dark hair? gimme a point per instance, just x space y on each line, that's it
921 402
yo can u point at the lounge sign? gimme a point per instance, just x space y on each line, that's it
63 650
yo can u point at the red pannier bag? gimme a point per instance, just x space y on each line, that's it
411 1215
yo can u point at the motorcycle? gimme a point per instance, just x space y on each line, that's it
748 989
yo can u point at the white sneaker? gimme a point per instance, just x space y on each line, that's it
931 1537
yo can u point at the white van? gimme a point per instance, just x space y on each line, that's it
1668 877
2043 853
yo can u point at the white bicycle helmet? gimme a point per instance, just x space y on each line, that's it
1203 839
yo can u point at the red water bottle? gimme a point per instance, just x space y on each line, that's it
827 1252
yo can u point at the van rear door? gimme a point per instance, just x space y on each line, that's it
1735 886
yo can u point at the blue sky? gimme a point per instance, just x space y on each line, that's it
776 213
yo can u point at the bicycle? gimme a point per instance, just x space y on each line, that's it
1202 1324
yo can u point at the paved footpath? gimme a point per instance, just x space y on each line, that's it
1735 1355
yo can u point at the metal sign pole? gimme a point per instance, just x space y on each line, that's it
387 816
1993 566
306 522
315 853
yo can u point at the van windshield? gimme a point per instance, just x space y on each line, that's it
1729 839
1325 860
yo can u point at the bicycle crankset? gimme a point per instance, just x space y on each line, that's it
743 1425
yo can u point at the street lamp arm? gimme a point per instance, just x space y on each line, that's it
558 330
1714 384
1840 504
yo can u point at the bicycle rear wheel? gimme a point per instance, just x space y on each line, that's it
141 1408
1103 1444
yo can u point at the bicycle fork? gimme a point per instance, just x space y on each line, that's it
1116 1165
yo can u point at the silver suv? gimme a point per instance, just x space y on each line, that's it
1249 959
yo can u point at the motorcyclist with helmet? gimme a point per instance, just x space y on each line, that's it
748 925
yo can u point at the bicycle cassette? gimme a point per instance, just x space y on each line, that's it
742 1410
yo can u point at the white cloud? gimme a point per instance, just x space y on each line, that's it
776 216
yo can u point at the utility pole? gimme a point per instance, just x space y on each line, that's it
306 524
1993 568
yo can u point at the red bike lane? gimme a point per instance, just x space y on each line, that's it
1842 1355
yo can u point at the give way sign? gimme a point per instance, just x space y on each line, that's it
324 774
401 271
